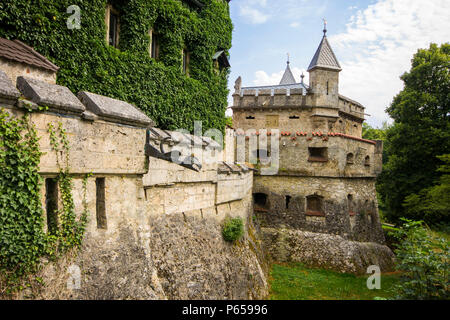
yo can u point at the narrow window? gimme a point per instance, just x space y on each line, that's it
314 206
154 45
318 154
288 200
294 117
113 26
250 118
350 158
367 161
350 205
101 204
51 204
327 88
186 58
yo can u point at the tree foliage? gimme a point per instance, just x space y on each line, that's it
424 261
419 134
159 88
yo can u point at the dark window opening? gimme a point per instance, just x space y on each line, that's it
154 50
250 118
186 58
294 117
318 154
288 200
51 204
327 88
260 199
350 158
314 206
350 205
367 161
101 203
113 28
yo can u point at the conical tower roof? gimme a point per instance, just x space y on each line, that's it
288 77
325 57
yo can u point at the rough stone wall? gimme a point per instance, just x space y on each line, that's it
15 69
326 251
361 224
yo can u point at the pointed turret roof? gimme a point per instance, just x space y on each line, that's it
324 57
288 77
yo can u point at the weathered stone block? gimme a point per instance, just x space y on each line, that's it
50 95
114 110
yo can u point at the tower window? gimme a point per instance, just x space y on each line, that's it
350 158
250 118
318 154
101 203
288 200
314 206
51 204
367 161
327 87
294 117
260 199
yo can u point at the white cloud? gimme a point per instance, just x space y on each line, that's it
264 79
378 45
295 24
253 15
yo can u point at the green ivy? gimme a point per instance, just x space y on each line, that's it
159 88
22 238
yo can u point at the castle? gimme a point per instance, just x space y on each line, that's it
155 223
325 183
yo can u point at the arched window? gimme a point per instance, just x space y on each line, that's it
314 205
260 200
367 161
350 158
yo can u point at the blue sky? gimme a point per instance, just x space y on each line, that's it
374 41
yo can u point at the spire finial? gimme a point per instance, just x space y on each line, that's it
303 76
288 58
324 26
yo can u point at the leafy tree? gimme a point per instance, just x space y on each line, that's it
424 261
420 132
370 133
432 203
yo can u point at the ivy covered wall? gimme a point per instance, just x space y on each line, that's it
159 88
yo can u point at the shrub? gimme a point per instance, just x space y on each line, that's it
233 229
425 262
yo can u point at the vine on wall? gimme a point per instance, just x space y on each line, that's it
22 238
159 88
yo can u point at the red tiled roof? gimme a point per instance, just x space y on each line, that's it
20 52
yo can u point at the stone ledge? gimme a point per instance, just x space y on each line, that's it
7 90
114 110
51 95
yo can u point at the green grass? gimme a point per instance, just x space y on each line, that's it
296 282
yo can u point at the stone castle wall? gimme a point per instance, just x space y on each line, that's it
161 236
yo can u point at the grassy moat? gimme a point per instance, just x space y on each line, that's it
295 282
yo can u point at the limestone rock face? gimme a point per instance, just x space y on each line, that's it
326 251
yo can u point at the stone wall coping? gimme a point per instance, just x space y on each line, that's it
7 89
50 95
114 110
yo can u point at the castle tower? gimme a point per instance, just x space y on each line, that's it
324 75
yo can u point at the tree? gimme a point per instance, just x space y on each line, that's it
420 132
370 133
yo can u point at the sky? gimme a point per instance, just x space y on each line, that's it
374 41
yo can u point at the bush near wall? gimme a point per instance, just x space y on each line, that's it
159 88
